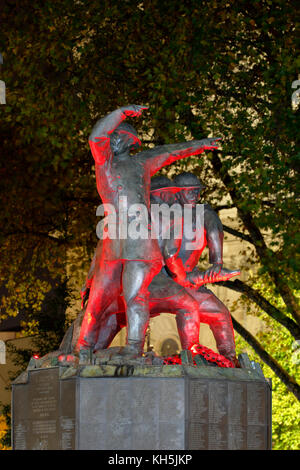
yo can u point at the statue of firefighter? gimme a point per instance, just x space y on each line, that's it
169 291
127 266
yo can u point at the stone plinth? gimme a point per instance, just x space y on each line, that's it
171 407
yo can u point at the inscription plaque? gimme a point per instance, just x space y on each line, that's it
44 412
256 404
135 413
67 414
228 415
212 412
21 424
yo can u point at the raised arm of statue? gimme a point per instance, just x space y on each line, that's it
99 138
164 155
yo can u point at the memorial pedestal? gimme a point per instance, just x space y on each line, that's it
157 408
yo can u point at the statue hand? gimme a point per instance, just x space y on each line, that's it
211 143
226 274
133 110
211 274
215 273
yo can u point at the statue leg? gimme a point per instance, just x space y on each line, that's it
110 327
174 300
105 288
168 296
188 321
214 312
136 278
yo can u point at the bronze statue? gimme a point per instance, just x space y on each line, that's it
190 303
127 265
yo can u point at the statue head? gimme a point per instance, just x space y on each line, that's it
124 139
161 190
189 188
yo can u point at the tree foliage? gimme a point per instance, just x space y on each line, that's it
285 406
5 418
204 68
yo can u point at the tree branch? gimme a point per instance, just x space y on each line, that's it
238 234
239 286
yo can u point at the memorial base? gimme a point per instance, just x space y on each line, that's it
156 407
